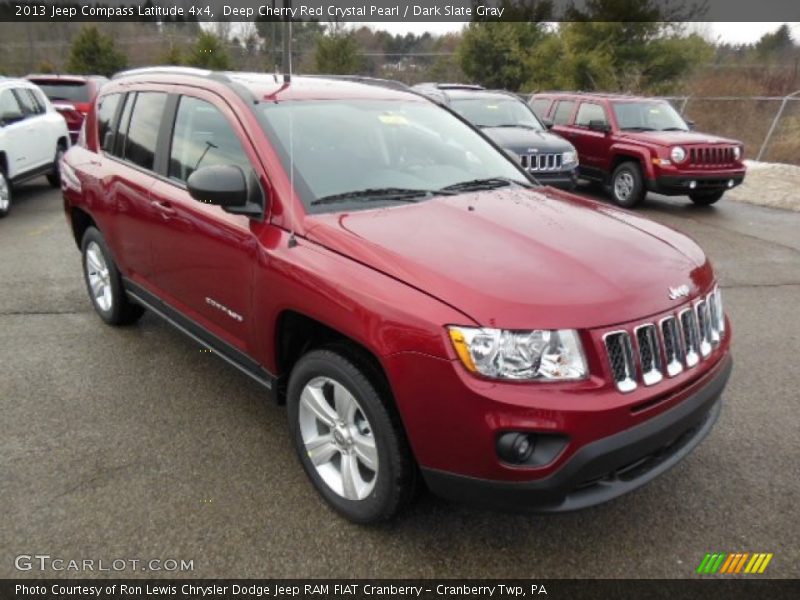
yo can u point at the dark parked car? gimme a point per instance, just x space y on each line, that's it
632 144
513 126
71 95
423 309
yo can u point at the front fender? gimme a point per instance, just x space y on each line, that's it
643 155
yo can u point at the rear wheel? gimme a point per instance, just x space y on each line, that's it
104 283
348 437
5 194
54 177
627 185
706 198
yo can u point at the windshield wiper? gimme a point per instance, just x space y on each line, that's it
637 128
674 129
378 194
489 183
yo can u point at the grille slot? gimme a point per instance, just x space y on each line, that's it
704 327
673 348
542 162
691 341
713 318
620 357
649 354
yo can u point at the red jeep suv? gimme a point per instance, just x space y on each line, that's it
71 95
422 308
634 145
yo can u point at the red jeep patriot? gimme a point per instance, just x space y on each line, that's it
424 310
634 145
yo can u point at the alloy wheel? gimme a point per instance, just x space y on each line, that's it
99 277
338 438
5 194
623 186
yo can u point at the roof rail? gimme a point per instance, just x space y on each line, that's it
387 83
165 71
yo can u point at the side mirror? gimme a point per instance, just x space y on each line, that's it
548 123
689 123
599 125
227 186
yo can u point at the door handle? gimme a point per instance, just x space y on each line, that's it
164 207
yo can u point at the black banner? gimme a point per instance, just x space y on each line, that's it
732 588
388 11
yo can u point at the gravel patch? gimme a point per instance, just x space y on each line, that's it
769 184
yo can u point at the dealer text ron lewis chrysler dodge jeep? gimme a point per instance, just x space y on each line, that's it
425 311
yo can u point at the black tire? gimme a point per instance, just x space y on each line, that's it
627 178
706 198
396 475
120 310
6 194
54 177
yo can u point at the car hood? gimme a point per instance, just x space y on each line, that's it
675 138
518 258
526 141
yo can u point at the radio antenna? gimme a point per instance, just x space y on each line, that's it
287 78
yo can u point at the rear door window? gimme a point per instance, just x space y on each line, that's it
563 112
540 106
30 107
590 111
106 111
145 124
203 137
9 106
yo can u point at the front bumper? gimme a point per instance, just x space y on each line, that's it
564 180
606 468
681 185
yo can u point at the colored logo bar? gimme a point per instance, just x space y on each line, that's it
734 564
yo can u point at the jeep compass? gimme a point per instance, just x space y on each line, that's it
426 312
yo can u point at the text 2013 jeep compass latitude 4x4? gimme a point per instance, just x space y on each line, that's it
421 307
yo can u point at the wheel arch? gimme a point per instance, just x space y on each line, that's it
80 220
296 334
621 154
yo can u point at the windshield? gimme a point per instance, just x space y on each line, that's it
648 116
496 112
367 153
72 91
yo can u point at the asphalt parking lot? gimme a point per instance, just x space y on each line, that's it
131 443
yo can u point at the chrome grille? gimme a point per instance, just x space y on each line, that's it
542 162
712 155
676 343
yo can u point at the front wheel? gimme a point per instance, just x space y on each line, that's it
627 185
104 283
348 437
706 198
5 194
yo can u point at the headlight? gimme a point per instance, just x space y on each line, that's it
520 355
737 152
569 158
678 154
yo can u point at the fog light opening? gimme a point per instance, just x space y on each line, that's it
730 183
516 448
692 185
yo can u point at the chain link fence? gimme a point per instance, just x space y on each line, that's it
769 126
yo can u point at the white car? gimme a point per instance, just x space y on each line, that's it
33 138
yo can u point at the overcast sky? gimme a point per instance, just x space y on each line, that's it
734 33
